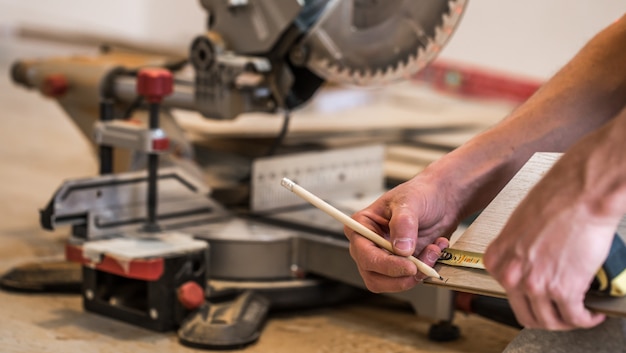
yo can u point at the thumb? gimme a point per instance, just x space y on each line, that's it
403 227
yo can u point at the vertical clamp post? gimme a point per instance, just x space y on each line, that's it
154 84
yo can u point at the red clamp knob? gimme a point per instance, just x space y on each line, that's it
154 84
54 85
190 295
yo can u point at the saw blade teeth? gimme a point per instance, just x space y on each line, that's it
356 76
419 61
409 68
346 76
440 38
360 77
377 76
368 76
456 10
401 69
406 64
421 54
333 70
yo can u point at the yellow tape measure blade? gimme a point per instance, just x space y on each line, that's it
454 257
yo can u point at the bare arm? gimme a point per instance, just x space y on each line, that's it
581 97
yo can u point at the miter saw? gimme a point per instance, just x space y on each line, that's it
157 248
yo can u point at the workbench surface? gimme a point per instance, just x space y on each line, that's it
41 148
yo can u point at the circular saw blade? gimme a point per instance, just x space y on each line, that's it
373 42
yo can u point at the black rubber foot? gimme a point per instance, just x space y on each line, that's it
44 277
231 323
444 331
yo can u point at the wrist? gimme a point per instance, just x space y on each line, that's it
470 176
456 183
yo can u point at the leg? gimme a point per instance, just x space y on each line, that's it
610 336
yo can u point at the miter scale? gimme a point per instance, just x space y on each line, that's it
350 177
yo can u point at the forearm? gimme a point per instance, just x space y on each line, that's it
597 165
581 97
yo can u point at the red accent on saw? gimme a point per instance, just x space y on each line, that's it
463 301
474 82
161 144
142 269
191 295
154 84
54 85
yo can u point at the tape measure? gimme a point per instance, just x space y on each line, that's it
610 279
461 258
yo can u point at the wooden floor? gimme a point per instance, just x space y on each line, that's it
40 148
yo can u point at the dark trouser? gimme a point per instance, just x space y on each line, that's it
608 337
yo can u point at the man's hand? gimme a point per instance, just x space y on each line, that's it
559 236
416 220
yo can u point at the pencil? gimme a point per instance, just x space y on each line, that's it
352 224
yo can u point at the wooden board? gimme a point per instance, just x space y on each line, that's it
489 224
